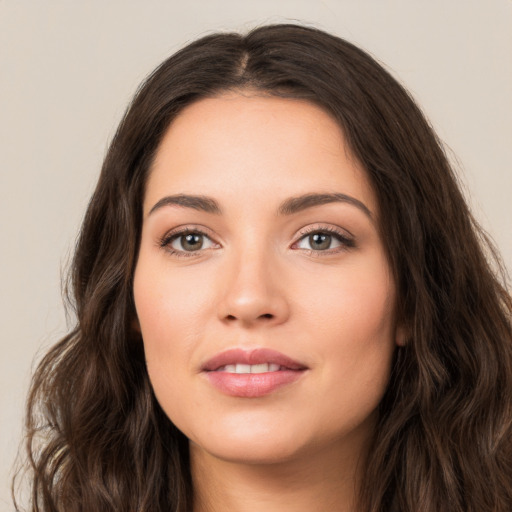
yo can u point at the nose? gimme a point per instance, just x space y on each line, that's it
252 293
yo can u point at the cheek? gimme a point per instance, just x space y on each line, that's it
356 302
163 312
175 309
352 317
170 305
167 312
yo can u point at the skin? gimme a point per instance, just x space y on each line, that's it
259 282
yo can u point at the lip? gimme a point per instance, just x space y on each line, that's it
255 356
251 385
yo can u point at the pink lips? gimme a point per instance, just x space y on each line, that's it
251 385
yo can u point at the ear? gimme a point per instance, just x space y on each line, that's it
401 335
136 325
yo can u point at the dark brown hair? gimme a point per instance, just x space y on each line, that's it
97 439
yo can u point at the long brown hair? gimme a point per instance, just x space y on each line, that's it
97 440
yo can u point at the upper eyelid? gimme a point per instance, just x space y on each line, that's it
345 238
188 228
319 227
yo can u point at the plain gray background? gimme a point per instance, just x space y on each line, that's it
69 68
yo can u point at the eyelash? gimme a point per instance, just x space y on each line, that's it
168 238
346 242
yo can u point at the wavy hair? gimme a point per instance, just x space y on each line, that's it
97 440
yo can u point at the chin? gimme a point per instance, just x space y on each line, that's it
254 444
254 452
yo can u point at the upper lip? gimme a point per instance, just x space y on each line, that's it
254 356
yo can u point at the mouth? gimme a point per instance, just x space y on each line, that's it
251 361
251 374
241 368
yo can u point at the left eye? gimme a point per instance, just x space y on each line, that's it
190 242
321 241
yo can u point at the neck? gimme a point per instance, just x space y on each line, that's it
312 482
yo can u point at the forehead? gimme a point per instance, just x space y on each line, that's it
255 146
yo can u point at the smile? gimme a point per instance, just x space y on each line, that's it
251 374
250 368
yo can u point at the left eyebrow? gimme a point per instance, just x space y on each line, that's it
300 203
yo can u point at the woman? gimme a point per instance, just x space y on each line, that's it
282 302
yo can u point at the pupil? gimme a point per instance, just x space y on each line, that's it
192 242
320 241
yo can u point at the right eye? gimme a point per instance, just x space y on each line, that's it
186 242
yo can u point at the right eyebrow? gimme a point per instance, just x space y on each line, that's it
202 203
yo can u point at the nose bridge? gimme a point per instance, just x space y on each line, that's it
252 291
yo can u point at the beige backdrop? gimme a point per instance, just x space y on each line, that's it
69 68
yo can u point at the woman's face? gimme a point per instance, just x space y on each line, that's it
262 288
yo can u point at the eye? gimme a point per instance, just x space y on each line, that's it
324 240
188 241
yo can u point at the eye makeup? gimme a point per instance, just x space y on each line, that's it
317 240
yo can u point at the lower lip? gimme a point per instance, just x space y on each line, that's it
252 385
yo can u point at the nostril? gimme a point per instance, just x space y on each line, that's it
268 316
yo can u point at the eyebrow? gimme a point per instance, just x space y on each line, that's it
297 204
288 207
202 203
